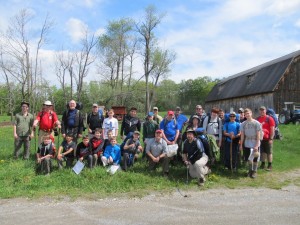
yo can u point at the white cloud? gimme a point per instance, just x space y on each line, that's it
282 8
75 29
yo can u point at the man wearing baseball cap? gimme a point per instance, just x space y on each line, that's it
149 128
47 120
94 120
169 127
156 151
266 146
23 131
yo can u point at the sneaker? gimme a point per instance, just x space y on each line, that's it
269 168
253 175
201 182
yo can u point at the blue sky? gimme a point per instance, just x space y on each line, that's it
215 38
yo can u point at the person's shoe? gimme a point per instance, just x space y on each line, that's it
262 166
249 174
253 175
201 182
269 168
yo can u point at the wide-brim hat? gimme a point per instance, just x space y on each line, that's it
191 131
25 103
47 103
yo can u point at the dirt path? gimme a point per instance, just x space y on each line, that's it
239 206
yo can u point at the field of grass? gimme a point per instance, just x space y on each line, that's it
20 180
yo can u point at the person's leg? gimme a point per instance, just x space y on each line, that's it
90 161
26 141
46 163
125 161
95 159
104 161
263 148
201 167
165 164
18 144
270 156
227 155
69 162
235 151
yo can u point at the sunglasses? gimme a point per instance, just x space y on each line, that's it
231 116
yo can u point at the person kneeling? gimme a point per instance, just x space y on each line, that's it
45 153
156 151
194 157
112 153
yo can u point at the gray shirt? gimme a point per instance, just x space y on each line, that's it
156 148
250 129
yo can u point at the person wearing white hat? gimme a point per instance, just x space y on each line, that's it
47 120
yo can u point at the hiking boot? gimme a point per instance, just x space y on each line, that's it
269 168
201 182
253 175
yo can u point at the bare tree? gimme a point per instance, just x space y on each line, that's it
145 29
63 68
161 61
21 53
82 60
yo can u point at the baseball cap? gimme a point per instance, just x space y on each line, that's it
150 113
232 113
47 103
158 131
262 108
95 105
155 108
170 113
136 132
241 110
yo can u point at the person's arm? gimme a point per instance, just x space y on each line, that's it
205 124
122 127
59 152
138 126
176 137
15 130
80 125
99 148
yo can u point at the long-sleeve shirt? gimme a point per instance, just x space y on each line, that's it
114 152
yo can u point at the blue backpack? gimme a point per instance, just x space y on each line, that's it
271 112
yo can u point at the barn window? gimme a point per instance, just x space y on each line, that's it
250 78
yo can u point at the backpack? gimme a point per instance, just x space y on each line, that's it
209 143
218 121
271 112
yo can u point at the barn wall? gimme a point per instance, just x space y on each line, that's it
253 102
288 88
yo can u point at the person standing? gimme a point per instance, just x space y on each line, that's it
94 120
200 113
250 142
47 120
72 122
110 124
194 157
130 123
23 131
149 128
266 147
232 135
156 117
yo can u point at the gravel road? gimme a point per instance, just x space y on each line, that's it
219 206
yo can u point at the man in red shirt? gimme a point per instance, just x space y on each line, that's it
268 126
47 120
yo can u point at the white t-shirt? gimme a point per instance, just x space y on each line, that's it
110 124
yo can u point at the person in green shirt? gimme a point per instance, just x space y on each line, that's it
149 128
23 131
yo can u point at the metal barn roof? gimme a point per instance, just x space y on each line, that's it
260 79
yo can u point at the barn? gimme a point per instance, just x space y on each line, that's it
270 84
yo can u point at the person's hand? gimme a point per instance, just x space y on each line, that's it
16 136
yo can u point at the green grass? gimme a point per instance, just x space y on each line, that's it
18 177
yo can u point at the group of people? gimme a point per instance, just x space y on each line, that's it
233 133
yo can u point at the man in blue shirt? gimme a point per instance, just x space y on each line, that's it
169 127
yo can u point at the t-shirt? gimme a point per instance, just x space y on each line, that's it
170 128
231 127
181 119
267 122
66 146
250 129
110 124
45 149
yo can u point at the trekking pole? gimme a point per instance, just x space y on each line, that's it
231 154
187 175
